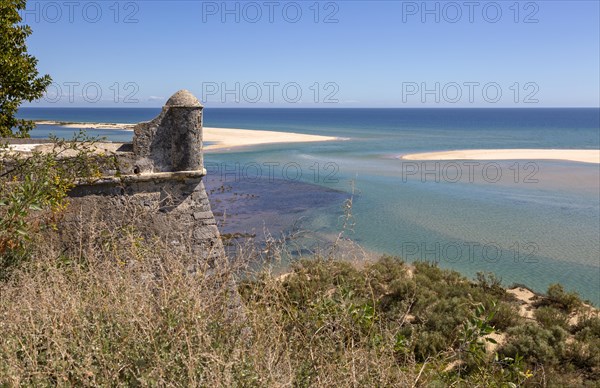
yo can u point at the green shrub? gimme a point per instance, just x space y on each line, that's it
316 277
584 352
585 355
549 317
588 327
33 191
428 344
536 344
566 301
491 284
506 315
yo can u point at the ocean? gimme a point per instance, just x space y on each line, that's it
530 222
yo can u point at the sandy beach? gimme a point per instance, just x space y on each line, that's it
582 156
120 126
219 138
23 147
225 138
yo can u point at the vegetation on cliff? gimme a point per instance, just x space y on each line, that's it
33 191
121 310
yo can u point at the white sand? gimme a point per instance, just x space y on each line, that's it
88 125
526 298
583 156
22 147
226 138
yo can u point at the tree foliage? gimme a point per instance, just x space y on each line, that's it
19 78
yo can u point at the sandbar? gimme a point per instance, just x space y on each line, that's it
225 138
582 156
217 138
63 124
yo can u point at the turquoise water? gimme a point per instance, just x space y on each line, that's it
531 222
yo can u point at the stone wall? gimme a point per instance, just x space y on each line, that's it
158 189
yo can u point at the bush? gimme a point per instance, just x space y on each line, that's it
490 283
427 344
566 301
550 317
588 327
585 355
505 316
33 191
585 351
536 344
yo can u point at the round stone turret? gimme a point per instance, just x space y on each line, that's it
183 98
173 141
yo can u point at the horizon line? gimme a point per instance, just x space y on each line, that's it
329 107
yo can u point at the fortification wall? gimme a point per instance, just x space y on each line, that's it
157 189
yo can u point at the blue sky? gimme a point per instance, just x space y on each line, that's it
319 54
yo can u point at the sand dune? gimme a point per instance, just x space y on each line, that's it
583 156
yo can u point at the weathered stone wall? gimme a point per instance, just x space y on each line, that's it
161 193
173 140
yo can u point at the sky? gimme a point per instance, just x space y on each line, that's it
327 54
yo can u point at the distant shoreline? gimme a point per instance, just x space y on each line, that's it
582 156
70 124
220 138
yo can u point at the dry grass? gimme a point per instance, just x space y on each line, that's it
94 323
119 310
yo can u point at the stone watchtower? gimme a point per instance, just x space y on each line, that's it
158 187
172 141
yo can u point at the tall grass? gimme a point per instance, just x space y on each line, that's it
122 311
